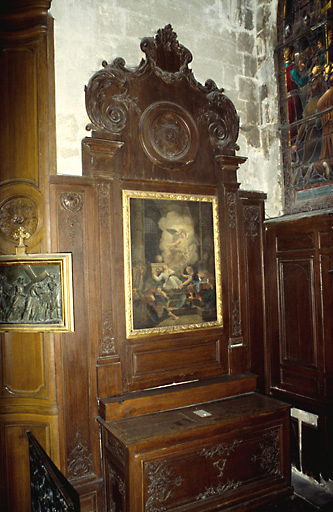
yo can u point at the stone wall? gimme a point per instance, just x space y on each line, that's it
231 41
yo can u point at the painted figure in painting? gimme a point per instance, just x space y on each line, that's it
173 273
157 304
168 278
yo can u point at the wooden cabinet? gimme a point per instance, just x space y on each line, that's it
230 453
299 257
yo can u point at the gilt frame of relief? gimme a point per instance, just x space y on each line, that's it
36 293
172 263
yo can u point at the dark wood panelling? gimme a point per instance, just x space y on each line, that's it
27 146
17 380
177 358
252 204
14 444
299 305
74 206
108 377
19 66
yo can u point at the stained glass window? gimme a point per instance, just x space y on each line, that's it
305 67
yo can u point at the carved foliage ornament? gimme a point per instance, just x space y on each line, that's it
79 461
113 94
252 221
268 456
161 484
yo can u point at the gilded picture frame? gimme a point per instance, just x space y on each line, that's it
36 293
172 263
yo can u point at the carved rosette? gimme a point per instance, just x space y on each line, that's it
18 212
168 134
71 204
114 92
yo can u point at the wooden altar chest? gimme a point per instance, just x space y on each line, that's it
229 454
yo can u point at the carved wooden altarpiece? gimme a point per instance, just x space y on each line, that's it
167 254
162 153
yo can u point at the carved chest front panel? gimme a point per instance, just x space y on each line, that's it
222 453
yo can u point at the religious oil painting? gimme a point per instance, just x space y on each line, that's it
36 293
172 262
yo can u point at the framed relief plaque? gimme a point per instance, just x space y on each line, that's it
36 292
172 262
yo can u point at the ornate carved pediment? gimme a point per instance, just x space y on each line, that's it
161 98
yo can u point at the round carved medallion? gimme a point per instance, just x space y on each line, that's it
17 212
168 134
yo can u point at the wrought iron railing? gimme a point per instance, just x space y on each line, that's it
50 490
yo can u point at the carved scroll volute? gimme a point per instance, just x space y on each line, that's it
222 121
107 98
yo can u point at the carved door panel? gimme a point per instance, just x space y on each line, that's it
299 257
326 276
299 300
297 323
